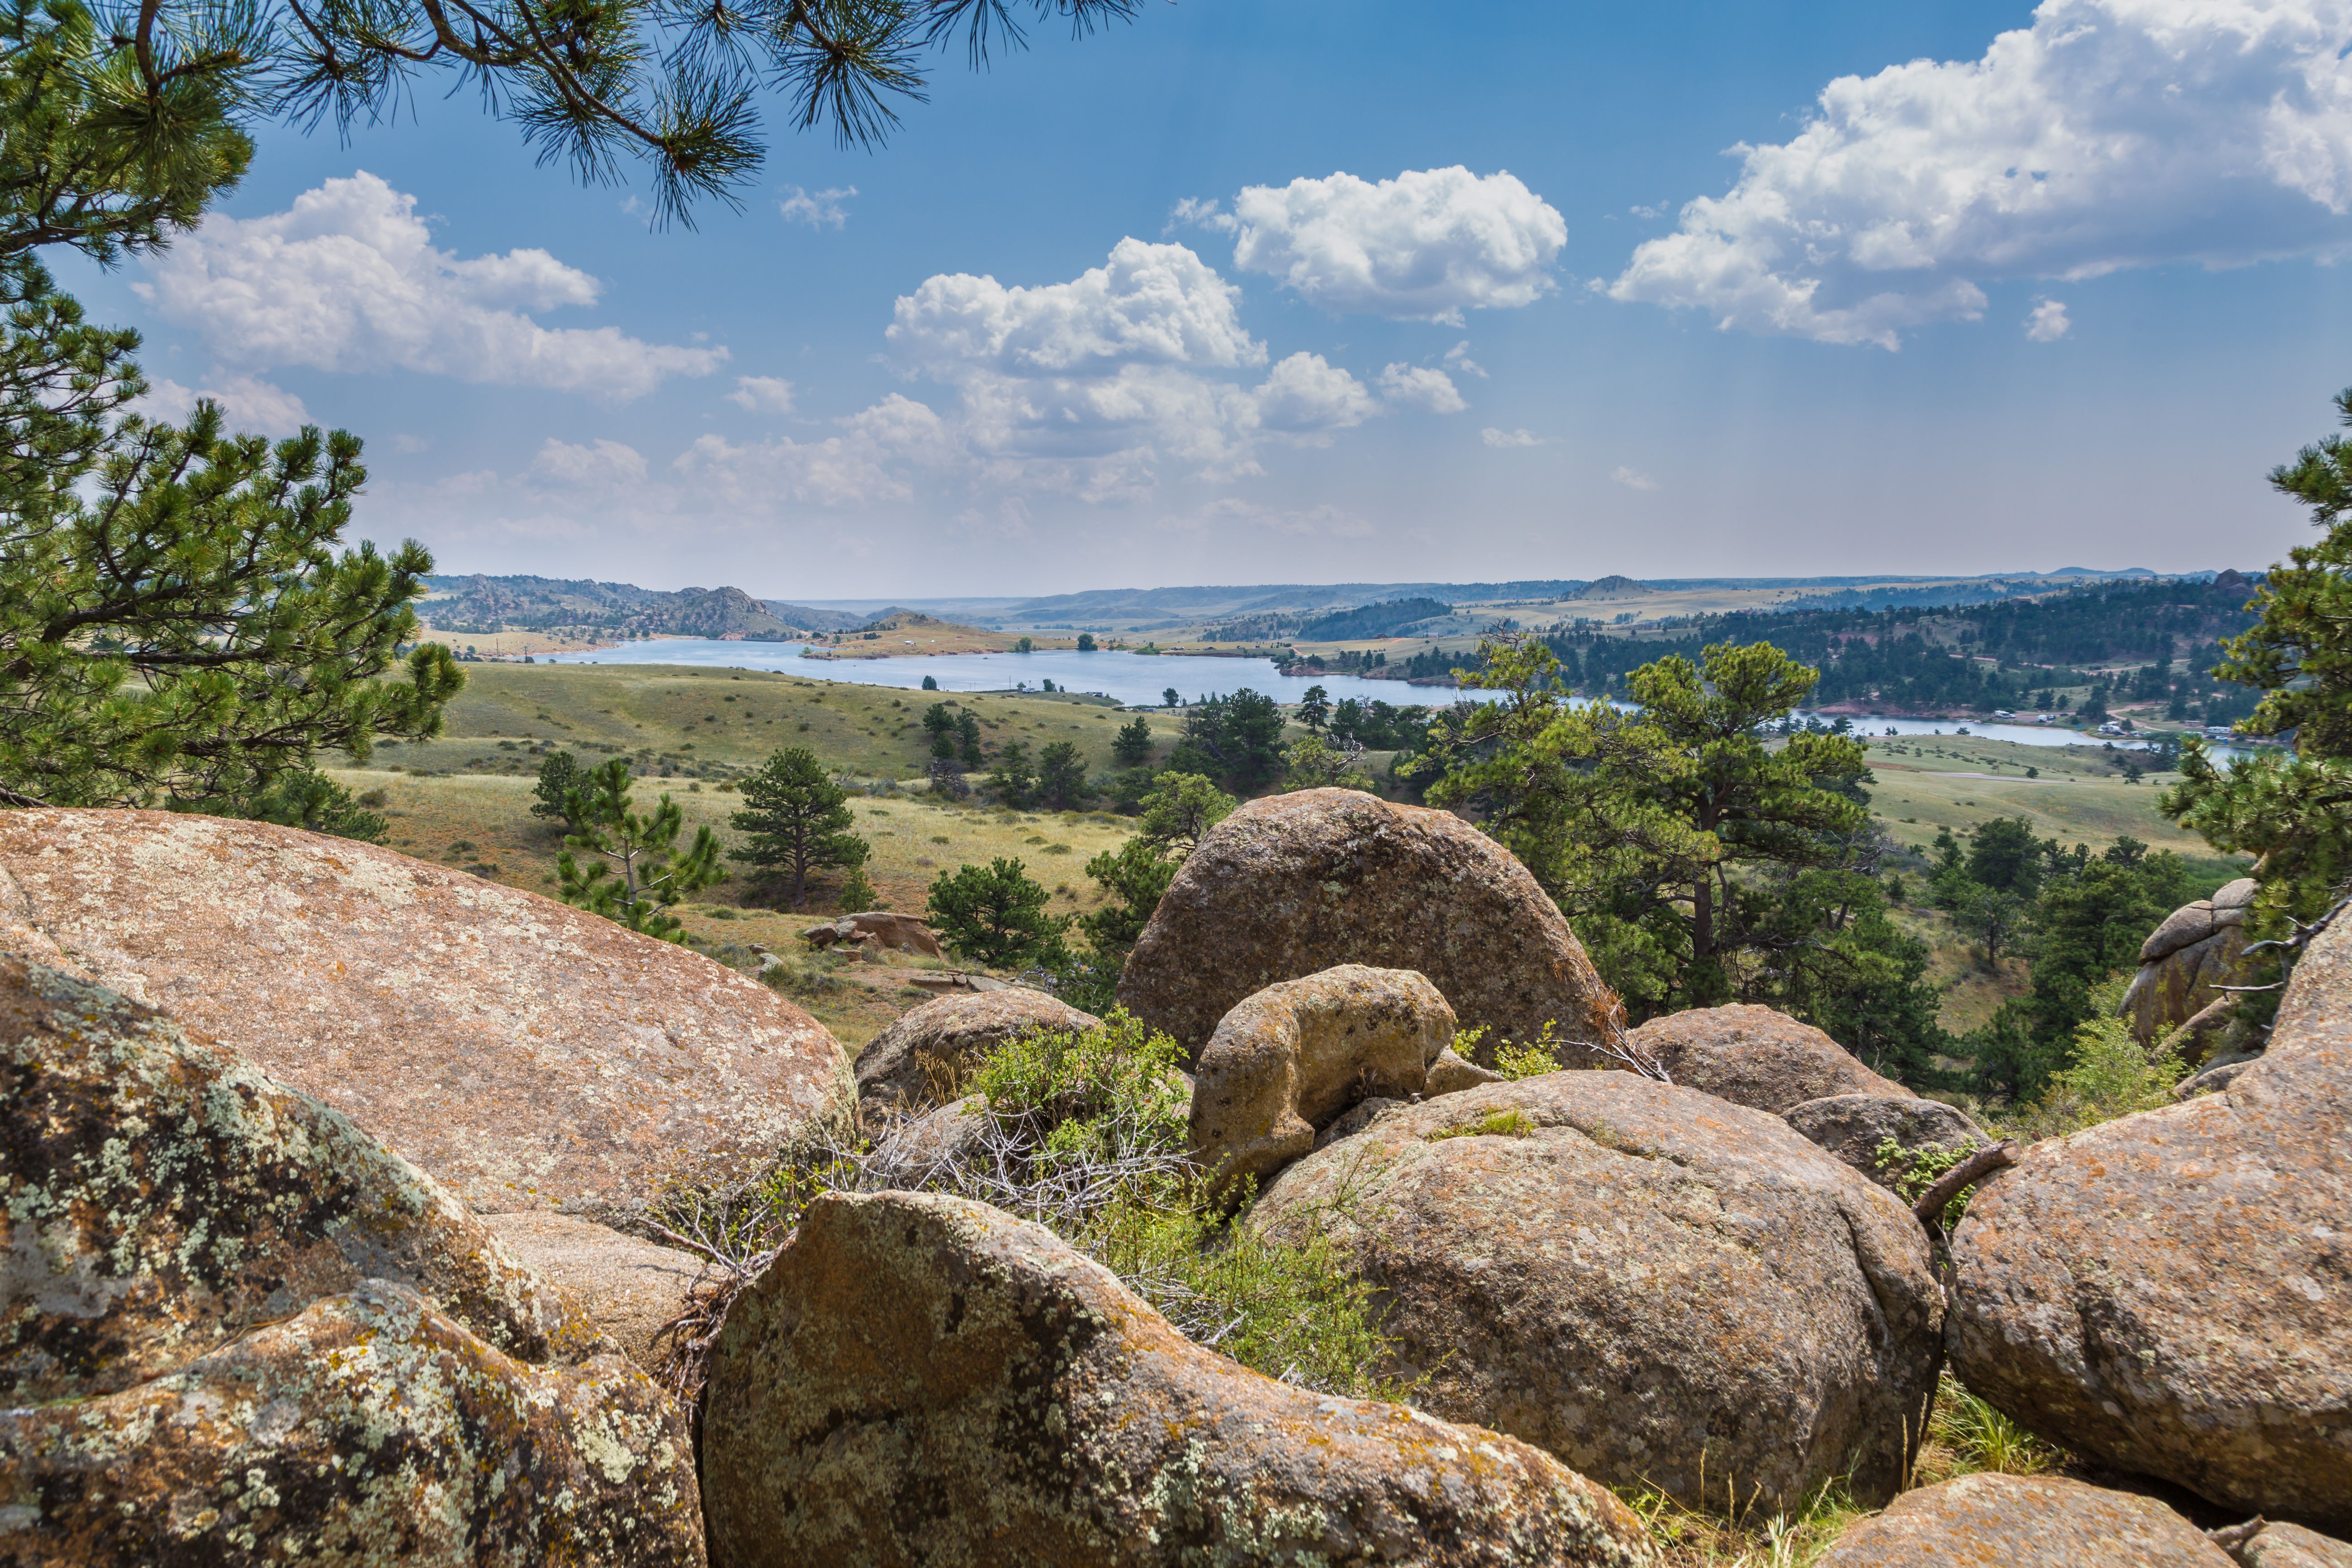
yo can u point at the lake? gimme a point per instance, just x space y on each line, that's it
1135 679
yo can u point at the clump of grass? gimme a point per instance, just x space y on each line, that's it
1513 1123
1740 1538
1967 1436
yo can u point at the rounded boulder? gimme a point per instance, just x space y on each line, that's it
1756 1057
1657 1286
526 1054
1297 883
919 1060
2023 1521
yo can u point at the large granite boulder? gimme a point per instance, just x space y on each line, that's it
629 1288
2023 1521
1756 1057
1856 1127
1655 1285
234 1329
526 1054
1288 1060
923 1379
2292 1546
2185 961
2167 1293
903 933
954 1033
1296 883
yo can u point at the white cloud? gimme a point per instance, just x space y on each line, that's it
1304 394
348 279
1458 356
821 210
869 462
762 393
1420 386
411 444
604 464
1642 212
1326 521
2048 323
2111 134
1633 479
248 402
1506 439
1425 246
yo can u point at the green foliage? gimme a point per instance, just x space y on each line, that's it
1061 775
1086 642
939 725
1011 780
1238 738
856 892
1513 1123
995 915
1132 748
2110 1074
1516 1059
967 744
1119 1074
1969 1437
796 819
1315 709
1181 809
559 775
1313 762
308 798
638 873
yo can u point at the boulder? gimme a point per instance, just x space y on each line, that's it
629 1288
1286 1061
2166 1292
1449 1074
2198 949
528 1055
1756 1057
2023 1521
1855 1127
234 1329
927 1149
1296 883
1657 1286
953 1032
924 1379
904 933
2292 1546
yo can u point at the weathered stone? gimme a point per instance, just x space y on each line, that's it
1356 1118
629 1288
1449 1074
368 1429
1293 884
526 1054
2184 982
903 933
235 1330
954 1033
1650 1282
2184 927
1289 1059
915 1153
2166 1292
1756 1057
923 1379
2292 1546
1855 1127
1994 1520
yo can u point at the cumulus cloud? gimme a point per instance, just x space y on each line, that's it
1420 386
869 461
1633 479
348 278
762 393
2048 322
1304 394
248 401
601 465
1458 356
821 210
2110 133
1503 440
1425 246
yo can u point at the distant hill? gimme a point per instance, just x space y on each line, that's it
482 605
1612 587
812 620
1373 620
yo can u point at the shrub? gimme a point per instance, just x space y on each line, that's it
2112 1075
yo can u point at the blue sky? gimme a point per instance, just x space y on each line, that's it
1347 290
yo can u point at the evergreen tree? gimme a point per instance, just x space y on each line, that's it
1168 699
1132 746
995 915
307 798
559 775
1061 775
1134 877
637 873
1315 709
856 893
1011 780
796 820
968 747
1180 811
940 725
1238 738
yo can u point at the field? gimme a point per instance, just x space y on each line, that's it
465 800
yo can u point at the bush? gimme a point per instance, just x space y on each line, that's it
2112 1075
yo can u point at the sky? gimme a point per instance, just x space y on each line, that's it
1345 290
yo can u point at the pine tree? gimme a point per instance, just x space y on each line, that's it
637 873
1132 746
995 915
1061 775
797 820
559 775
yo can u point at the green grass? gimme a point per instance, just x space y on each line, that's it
1494 1124
1917 787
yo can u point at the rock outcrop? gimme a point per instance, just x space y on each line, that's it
2023 1521
904 933
1855 1127
2166 1292
235 1330
2198 949
1645 1280
1284 1063
628 1288
525 1054
1756 1057
954 1033
1296 883
2292 1546
923 1379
